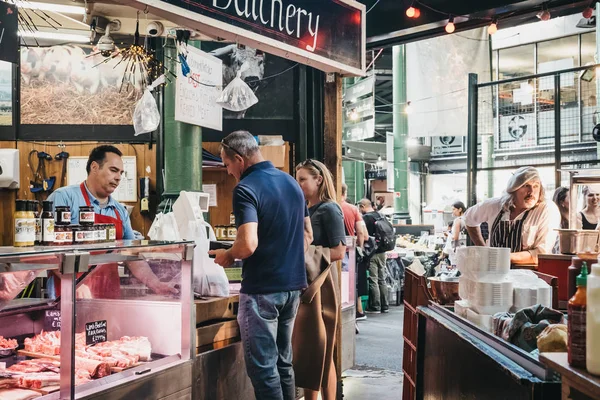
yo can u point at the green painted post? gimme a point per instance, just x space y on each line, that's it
400 129
359 174
182 142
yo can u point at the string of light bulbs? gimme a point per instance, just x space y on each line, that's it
414 12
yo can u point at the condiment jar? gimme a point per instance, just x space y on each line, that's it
63 235
47 224
232 219
24 225
101 233
112 232
231 232
63 215
86 216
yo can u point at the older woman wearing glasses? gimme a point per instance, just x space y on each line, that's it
327 222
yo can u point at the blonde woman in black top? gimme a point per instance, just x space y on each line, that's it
327 222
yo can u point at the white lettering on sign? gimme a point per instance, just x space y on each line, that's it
289 20
196 94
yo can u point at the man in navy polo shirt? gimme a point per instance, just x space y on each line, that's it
273 230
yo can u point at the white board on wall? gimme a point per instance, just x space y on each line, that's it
127 190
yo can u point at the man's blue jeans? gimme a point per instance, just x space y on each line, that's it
266 323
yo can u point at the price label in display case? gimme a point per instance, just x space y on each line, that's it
95 332
52 320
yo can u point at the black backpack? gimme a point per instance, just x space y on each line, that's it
385 235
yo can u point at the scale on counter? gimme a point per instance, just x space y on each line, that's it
190 206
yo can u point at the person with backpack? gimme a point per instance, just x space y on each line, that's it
385 239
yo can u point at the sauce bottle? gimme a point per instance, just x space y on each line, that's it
47 224
576 323
593 321
35 208
573 271
24 225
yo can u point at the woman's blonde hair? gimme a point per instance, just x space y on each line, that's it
317 168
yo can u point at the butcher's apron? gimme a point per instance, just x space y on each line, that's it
103 282
508 233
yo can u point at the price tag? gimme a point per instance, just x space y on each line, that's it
95 332
52 320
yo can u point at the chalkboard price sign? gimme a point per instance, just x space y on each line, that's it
95 332
52 320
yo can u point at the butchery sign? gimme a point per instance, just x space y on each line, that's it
326 34
9 42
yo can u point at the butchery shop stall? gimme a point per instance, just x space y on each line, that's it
326 35
95 341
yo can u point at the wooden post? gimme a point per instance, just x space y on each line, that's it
332 137
332 158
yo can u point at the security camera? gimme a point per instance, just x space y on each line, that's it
154 28
106 44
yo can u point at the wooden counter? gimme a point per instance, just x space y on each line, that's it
576 383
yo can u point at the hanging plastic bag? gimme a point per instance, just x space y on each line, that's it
146 116
237 96
209 278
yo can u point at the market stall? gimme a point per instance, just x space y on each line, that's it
135 345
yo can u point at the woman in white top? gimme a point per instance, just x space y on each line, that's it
521 219
455 239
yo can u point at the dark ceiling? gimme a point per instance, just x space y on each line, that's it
387 23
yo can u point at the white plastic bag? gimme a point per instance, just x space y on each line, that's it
164 226
237 96
209 278
146 116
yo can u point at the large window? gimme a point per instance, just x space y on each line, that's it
5 93
516 97
588 48
534 99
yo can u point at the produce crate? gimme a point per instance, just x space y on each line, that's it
216 308
216 335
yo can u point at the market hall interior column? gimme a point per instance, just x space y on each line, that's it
182 142
332 158
400 128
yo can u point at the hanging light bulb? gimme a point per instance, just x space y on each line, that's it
544 15
379 158
493 28
450 26
588 12
413 12
349 151
408 109
353 115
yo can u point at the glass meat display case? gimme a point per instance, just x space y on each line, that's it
96 321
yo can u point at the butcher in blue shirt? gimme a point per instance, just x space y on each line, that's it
104 169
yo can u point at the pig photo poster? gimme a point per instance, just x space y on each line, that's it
70 85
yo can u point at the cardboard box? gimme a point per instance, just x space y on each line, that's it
275 154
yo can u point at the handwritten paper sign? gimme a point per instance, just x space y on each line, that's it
197 93
95 332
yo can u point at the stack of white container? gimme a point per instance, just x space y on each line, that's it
488 286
